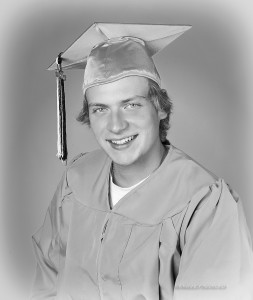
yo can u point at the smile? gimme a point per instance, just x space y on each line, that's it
123 141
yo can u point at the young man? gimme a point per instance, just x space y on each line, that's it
138 219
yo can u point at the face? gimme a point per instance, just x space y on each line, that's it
124 122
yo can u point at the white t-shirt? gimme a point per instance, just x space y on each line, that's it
117 192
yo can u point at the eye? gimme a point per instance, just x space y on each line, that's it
132 105
98 110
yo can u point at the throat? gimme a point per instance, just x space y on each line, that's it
127 176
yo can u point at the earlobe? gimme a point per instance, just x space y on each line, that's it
162 114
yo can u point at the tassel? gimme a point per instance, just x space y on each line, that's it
62 152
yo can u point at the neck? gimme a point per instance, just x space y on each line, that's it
126 176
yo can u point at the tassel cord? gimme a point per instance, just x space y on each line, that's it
62 152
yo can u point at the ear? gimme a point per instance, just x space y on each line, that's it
161 114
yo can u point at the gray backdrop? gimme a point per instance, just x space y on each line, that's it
207 73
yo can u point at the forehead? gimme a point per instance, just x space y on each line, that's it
121 89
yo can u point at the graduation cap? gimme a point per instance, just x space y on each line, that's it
109 52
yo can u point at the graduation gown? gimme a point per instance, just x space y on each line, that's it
180 234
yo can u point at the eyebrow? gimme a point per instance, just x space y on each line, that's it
96 104
133 98
123 101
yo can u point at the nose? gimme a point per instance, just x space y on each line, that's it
117 122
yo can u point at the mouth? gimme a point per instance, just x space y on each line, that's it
122 142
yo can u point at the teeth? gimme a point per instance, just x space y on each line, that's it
123 141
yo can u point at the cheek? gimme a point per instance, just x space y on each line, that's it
147 117
151 122
97 126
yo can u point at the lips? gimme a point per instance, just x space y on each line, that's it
123 141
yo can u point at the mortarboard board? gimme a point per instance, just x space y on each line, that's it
108 52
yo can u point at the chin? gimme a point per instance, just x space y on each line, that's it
122 160
125 157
